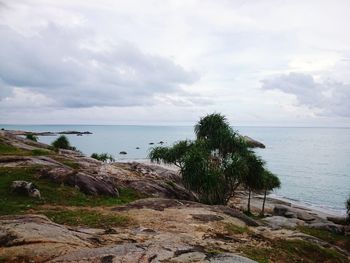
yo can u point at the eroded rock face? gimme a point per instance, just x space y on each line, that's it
149 180
177 234
35 237
94 185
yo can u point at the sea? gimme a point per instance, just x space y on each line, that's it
313 164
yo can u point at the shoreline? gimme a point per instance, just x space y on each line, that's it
271 199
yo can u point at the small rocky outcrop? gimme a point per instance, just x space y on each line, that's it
94 185
25 188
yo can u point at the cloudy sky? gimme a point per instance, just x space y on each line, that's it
281 63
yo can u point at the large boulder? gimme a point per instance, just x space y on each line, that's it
94 185
34 238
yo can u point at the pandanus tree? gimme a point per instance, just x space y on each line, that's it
214 164
254 177
269 182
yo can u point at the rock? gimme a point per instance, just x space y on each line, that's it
337 229
207 217
338 220
58 174
281 210
277 222
36 239
305 216
123 152
151 143
290 214
26 188
98 185
253 143
137 148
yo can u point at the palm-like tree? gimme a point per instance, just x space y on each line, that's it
215 164
270 182
253 178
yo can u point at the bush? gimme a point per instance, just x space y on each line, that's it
214 164
32 137
104 157
62 143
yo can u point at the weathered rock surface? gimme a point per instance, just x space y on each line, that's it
277 222
94 185
36 238
177 234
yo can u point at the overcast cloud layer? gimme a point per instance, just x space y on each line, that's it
169 62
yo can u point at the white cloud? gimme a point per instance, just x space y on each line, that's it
326 98
185 58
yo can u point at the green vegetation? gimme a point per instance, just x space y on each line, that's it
214 164
32 137
339 240
7 149
290 251
39 152
51 193
87 218
234 229
269 182
104 157
62 142
71 164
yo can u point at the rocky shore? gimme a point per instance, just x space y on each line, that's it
89 211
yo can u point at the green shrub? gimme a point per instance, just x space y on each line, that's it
214 164
62 142
32 137
104 157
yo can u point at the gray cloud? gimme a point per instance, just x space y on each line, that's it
330 98
56 64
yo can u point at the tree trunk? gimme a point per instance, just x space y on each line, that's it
249 192
263 206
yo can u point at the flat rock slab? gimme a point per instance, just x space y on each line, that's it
277 222
135 253
207 217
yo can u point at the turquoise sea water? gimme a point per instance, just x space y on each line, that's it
312 163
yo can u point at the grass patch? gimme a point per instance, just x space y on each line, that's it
238 230
290 251
71 164
39 152
7 149
51 193
339 240
87 218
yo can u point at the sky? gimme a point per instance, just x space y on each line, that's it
161 62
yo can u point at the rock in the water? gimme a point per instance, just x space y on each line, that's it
26 188
98 185
123 152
